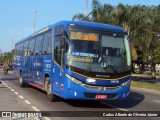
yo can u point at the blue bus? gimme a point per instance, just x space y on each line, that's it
76 60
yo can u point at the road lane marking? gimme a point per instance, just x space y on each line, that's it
3 83
12 90
114 106
16 93
21 96
46 118
156 101
7 86
34 108
27 101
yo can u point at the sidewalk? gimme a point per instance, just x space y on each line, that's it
145 78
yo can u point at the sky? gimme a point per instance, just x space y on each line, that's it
17 19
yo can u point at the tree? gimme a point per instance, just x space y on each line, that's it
7 57
81 17
0 52
141 22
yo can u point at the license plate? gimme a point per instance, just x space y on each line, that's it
101 96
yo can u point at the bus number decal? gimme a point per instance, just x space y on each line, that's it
48 65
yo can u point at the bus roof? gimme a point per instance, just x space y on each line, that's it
92 25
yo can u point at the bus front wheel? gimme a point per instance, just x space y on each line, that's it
51 96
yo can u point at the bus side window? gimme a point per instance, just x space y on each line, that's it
26 48
47 44
22 49
38 45
31 46
57 50
19 49
59 45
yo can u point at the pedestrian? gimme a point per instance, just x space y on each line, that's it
5 67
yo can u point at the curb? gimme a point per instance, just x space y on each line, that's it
145 76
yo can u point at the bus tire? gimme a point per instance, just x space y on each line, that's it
51 97
22 84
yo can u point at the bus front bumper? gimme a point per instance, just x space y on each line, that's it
86 92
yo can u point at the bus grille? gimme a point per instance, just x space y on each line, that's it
101 88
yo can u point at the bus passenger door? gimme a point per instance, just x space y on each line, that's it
59 74
58 77
62 74
57 66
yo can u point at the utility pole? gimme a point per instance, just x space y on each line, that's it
86 7
34 13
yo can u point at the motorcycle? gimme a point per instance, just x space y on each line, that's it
6 70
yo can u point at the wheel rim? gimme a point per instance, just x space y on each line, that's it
20 79
49 89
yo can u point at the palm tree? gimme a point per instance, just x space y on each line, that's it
145 34
96 10
103 14
91 16
141 23
81 17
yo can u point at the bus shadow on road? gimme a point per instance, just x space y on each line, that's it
85 103
133 100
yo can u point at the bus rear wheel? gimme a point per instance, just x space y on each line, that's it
51 97
22 84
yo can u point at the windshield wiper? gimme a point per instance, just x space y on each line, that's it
89 67
110 65
90 64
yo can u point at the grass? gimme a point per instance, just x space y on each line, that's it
145 85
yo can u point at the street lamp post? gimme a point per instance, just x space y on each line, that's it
86 7
34 13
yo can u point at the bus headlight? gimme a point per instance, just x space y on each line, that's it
74 80
126 83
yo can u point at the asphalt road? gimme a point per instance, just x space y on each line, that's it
15 98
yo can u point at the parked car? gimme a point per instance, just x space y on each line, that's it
1 65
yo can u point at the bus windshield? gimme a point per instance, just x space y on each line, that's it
97 52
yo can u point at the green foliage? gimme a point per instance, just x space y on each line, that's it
141 22
145 85
7 57
81 17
